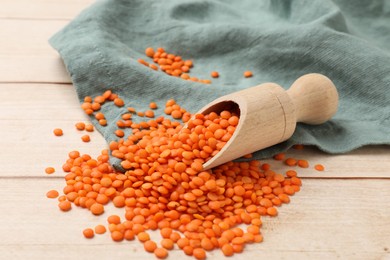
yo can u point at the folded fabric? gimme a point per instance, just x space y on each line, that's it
278 41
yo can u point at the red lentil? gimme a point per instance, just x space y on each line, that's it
103 122
119 102
100 229
248 74
161 253
303 163
319 167
298 147
149 113
50 170
89 128
58 132
80 126
279 156
65 205
291 162
227 250
97 209
171 64
143 236
150 246
149 52
85 138
153 105
119 133
165 187
167 243
88 233
52 194
214 74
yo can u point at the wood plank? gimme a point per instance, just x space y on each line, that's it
42 9
368 161
34 143
328 219
25 54
29 113
28 38
42 101
33 69
27 120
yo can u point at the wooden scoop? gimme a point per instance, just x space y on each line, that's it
269 114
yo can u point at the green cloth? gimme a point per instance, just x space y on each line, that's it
348 41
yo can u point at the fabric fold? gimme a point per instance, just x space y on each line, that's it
277 40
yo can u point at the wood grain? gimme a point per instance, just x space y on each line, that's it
42 9
33 69
328 219
335 216
29 113
41 101
21 38
25 53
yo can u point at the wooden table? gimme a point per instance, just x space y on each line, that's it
343 212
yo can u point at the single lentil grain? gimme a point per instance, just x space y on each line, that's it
248 74
86 138
89 128
161 253
88 233
80 126
150 246
100 229
319 167
58 132
65 205
52 194
50 170
97 209
214 74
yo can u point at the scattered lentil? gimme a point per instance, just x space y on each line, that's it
171 64
150 246
298 146
65 205
50 170
214 74
149 52
153 105
58 132
52 194
88 233
89 128
303 163
248 74
97 208
319 167
100 229
165 187
80 126
161 253
86 138
291 162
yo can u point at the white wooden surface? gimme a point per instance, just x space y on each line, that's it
341 213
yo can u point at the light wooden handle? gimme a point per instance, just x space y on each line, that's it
315 98
268 113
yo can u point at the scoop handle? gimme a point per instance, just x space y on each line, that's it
315 98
